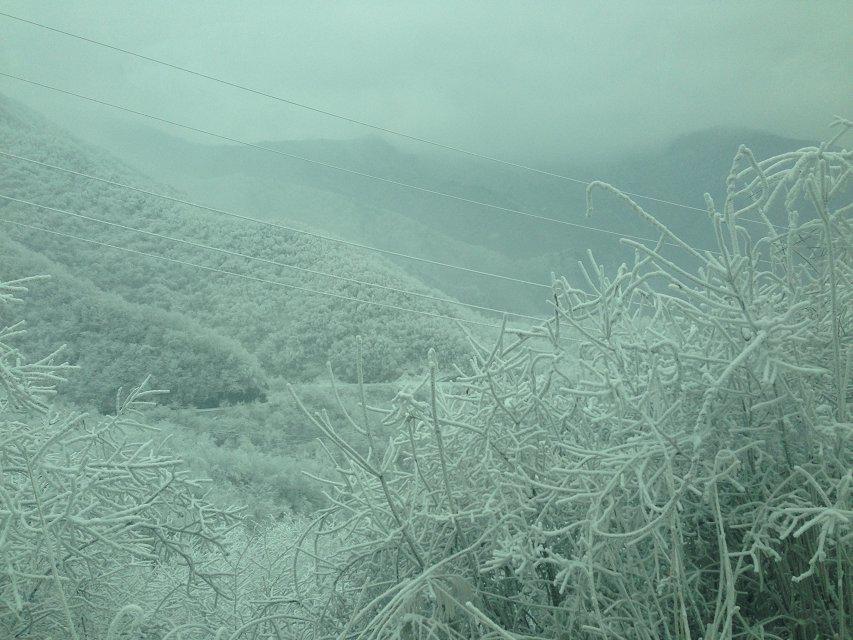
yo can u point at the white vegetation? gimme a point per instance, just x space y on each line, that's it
683 473
102 532
82 503
686 473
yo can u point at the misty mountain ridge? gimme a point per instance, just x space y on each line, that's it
316 198
266 185
291 332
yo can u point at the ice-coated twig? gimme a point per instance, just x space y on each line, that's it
690 459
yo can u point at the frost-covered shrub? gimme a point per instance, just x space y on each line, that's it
104 534
83 502
682 471
256 596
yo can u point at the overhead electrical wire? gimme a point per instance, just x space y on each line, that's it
282 227
275 225
249 257
212 209
252 278
259 147
327 165
331 114
265 280
318 110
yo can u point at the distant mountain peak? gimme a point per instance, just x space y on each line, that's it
731 138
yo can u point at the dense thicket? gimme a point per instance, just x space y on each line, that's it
257 455
683 471
291 332
80 503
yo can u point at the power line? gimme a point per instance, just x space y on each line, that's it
294 156
266 281
251 145
290 229
275 225
363 123
238 254
331 114
253 278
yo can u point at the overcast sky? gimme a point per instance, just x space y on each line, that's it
511 78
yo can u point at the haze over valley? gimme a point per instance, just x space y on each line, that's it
495 320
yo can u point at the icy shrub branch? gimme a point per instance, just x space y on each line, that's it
82 503
684 472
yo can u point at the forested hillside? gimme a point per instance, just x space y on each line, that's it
119 343
291 332
265 184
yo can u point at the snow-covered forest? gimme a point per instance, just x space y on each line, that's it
343 388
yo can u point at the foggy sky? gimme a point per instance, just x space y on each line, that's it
519 79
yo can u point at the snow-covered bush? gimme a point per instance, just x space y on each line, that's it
104 535
682 471
84 502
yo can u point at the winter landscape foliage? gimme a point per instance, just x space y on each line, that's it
668 456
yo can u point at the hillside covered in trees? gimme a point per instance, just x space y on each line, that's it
297 190
290 332
120 343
